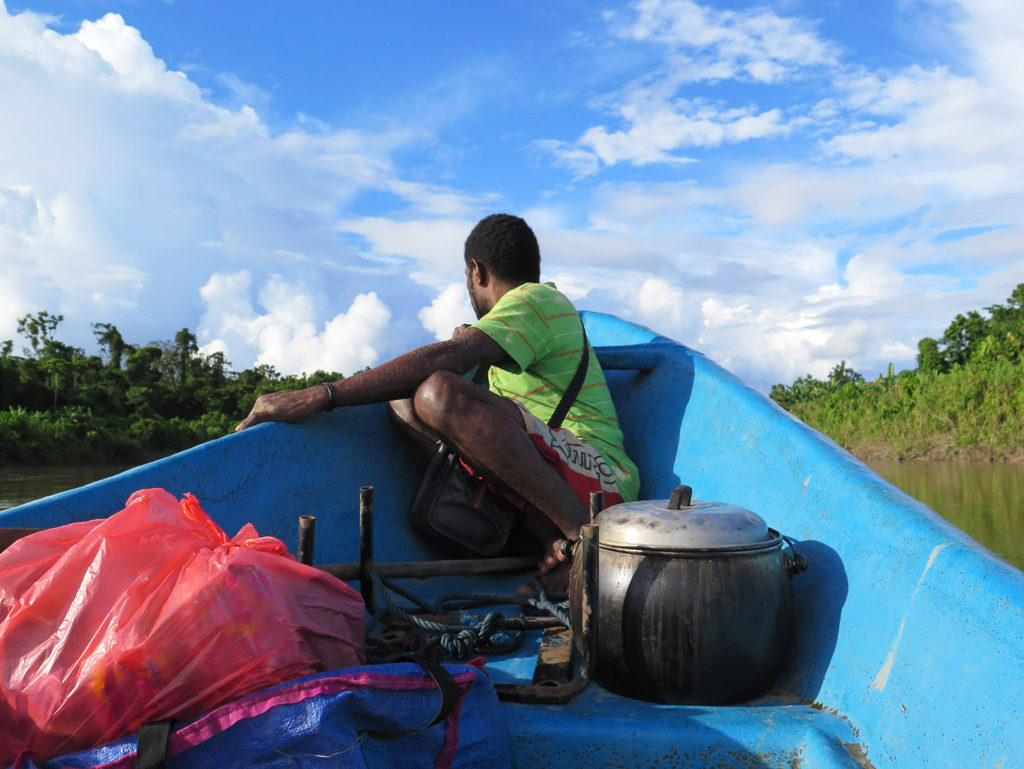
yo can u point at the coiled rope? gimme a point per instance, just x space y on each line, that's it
495 633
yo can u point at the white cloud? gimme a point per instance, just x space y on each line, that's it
658 302
957 131
992 31
774 304
717 314
449 310
656 131
873 279
124 187
131 59
286 334
756 43
799 194
700 44
435 247
581 162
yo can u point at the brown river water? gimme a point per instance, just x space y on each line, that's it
984 499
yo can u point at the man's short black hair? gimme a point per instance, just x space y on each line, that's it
506 245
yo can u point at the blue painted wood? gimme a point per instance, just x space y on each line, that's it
909 647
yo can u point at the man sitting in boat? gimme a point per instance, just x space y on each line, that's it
531 338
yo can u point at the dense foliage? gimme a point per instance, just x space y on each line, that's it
964 399
58 404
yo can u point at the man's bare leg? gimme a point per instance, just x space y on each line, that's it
488 431
420 440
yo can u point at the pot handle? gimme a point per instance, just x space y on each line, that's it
794 561
680 498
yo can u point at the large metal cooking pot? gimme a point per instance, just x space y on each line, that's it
692 600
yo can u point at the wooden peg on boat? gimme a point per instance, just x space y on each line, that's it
366 547
307 538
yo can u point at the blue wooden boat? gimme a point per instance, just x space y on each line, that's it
909 635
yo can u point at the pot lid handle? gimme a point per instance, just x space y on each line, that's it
680 498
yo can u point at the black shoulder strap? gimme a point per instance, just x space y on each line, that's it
574 386
448 689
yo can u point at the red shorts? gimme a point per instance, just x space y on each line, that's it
579 464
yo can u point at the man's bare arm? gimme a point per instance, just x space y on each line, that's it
398 378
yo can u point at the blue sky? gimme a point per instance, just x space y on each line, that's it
781 185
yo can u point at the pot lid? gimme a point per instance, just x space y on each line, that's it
680 524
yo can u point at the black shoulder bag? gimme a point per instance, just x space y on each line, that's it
461 510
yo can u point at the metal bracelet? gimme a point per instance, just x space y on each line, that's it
330 396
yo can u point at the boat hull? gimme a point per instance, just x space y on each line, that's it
908 636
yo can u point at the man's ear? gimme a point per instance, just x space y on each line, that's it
480 270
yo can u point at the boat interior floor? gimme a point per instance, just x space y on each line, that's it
600 728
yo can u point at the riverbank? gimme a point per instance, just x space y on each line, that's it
74 435
881 452
937 449
966 414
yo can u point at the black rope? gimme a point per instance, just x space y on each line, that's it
495 633
395 588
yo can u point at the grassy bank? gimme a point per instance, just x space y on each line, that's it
966 413
74 435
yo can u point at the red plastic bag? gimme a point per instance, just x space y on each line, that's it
154 613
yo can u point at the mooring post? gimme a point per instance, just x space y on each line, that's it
586 641
307 538
366 547
596 504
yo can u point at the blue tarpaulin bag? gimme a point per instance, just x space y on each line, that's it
403 714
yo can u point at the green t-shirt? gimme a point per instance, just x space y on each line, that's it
540 330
